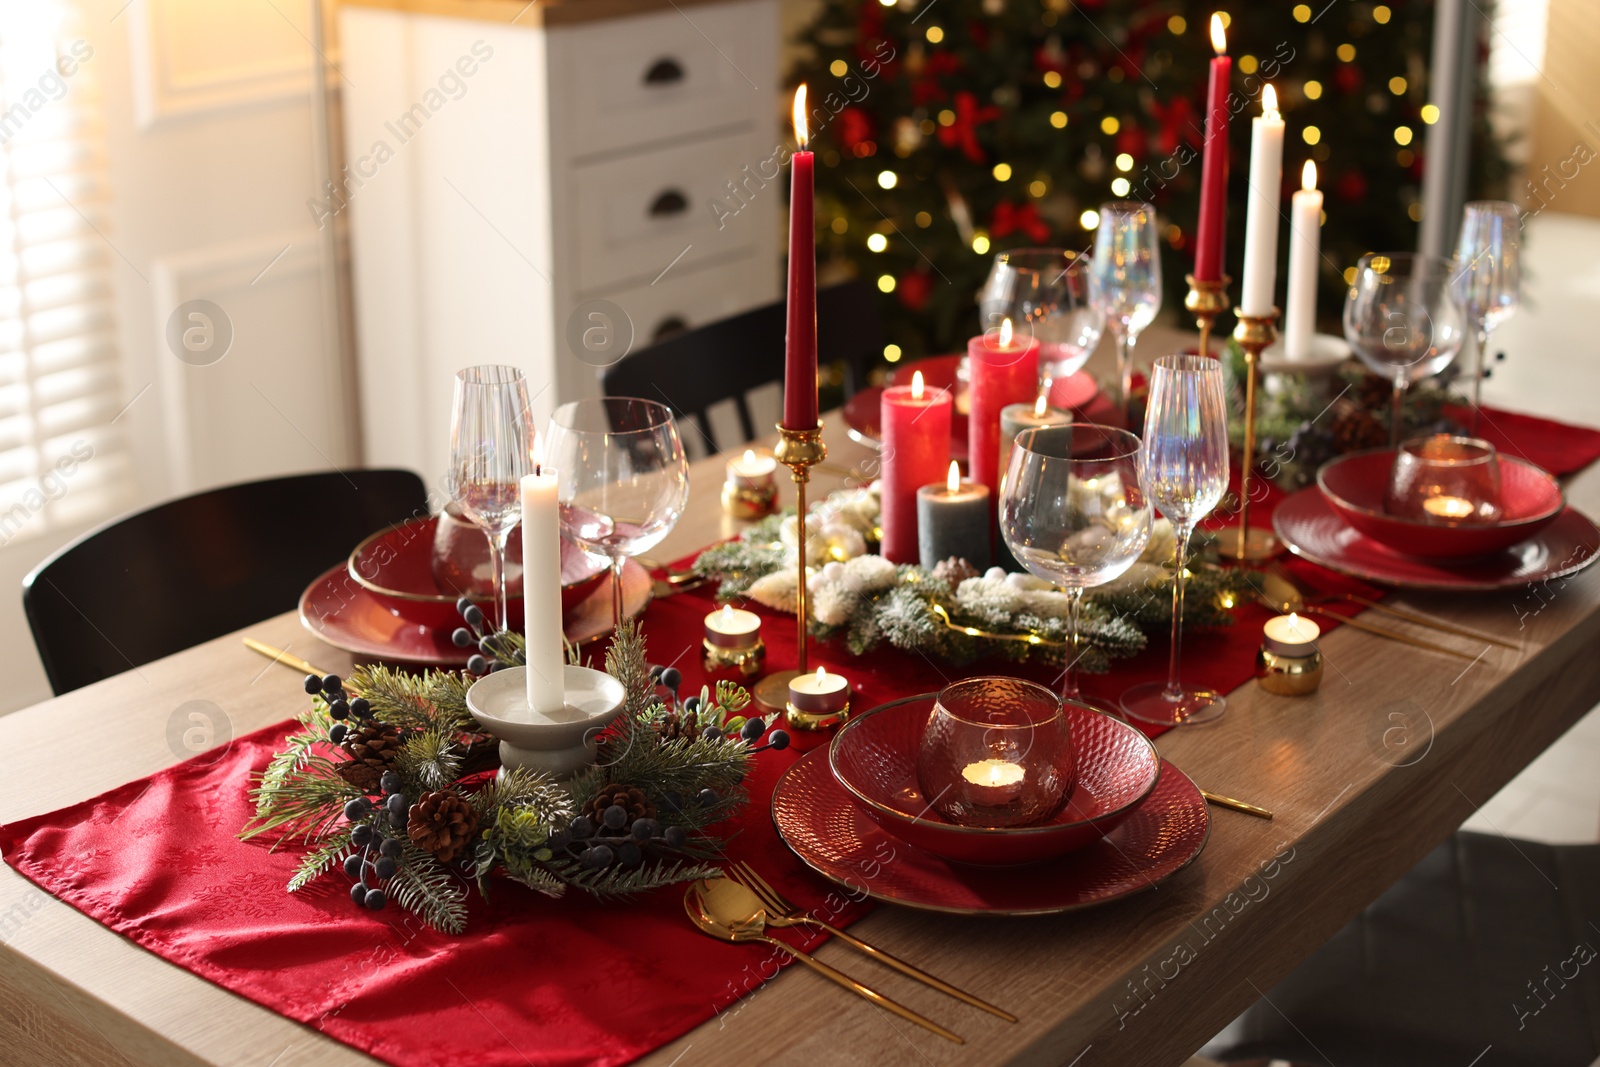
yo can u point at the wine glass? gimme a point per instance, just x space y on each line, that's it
1185 475
1074 513
491 430
1125 280
1402 319
1045 292
1488 278
621 479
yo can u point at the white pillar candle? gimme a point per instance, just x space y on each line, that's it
541 586
1261 224
1305 238
1291 635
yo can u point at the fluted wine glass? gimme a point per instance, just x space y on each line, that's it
621 479
1125 280
1185 475
1074 512
1488 277
491 431
1403 321
1045 294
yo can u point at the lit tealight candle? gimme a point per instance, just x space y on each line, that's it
1449 507
1291 635
820 693
731 627
750 491
753 466
993 782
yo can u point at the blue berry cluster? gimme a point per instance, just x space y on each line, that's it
341 706
377 836
700 708
615 839
476 633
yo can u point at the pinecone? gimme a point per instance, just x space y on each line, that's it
1374 393
681 724
442 822
1356 429
954 571
371 750
632 800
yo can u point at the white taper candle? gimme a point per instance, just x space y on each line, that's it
541 586
1305 238
1261 223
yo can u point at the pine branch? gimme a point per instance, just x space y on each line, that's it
318 860
305 804
431 759
423 886
522 789
614 883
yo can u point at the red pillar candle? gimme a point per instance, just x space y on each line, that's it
916 450
1005 370
1209 257
800 363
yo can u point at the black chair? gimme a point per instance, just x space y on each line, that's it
1487 941
724 360
160 580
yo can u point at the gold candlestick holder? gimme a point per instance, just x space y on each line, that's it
1205 301
799 450
1254 333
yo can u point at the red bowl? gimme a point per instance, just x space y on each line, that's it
396 565
875 759
1354 486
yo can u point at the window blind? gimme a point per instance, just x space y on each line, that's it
63 458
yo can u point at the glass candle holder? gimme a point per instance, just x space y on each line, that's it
733 649
1449 481
751 490
996 752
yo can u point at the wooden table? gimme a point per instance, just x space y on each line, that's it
1393 753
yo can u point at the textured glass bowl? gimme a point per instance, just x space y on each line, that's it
1445 481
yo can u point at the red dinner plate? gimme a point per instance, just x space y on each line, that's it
1079 392
819 820
1310 526
338 610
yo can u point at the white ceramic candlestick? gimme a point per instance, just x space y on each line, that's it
541 586
1261 224
1305 238
558 741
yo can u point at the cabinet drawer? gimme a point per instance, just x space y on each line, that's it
684 300
635 216
632 81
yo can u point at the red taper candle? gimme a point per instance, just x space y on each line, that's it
1005 370
800 361
1209 256
916 451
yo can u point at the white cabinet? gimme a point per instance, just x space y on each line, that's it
505 179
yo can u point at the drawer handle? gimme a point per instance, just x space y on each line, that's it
668 204
664 71
671 326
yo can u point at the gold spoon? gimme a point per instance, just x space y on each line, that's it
740 930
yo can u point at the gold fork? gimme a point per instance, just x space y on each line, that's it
780 912
1313 596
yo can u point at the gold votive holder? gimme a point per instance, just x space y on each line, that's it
750 490
740 665
818 701
1288 676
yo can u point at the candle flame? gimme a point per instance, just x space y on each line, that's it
1269 101
1005 332
916 386
1308 176
1294 623
537 451
822 672
1040 406
1219 39
800 132
953 483
749 457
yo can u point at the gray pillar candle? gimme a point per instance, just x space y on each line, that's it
953 520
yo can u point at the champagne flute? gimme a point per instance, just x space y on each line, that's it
1488 278
1403 321
1185 474
621 479
490 434
1125 280
1073 512
1045 292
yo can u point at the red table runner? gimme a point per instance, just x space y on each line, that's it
534 980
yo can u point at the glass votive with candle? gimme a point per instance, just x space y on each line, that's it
1289 664
750 490
732 644
996 752
819 700
1449 481
953 521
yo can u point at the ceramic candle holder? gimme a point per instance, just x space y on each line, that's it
1288 663
733 649
1445 480
558 744
751 489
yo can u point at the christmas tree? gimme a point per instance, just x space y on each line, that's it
955 129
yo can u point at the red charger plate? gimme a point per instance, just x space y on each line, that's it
875 759
1078 393
1355 485
823 825
1308 524
338 610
